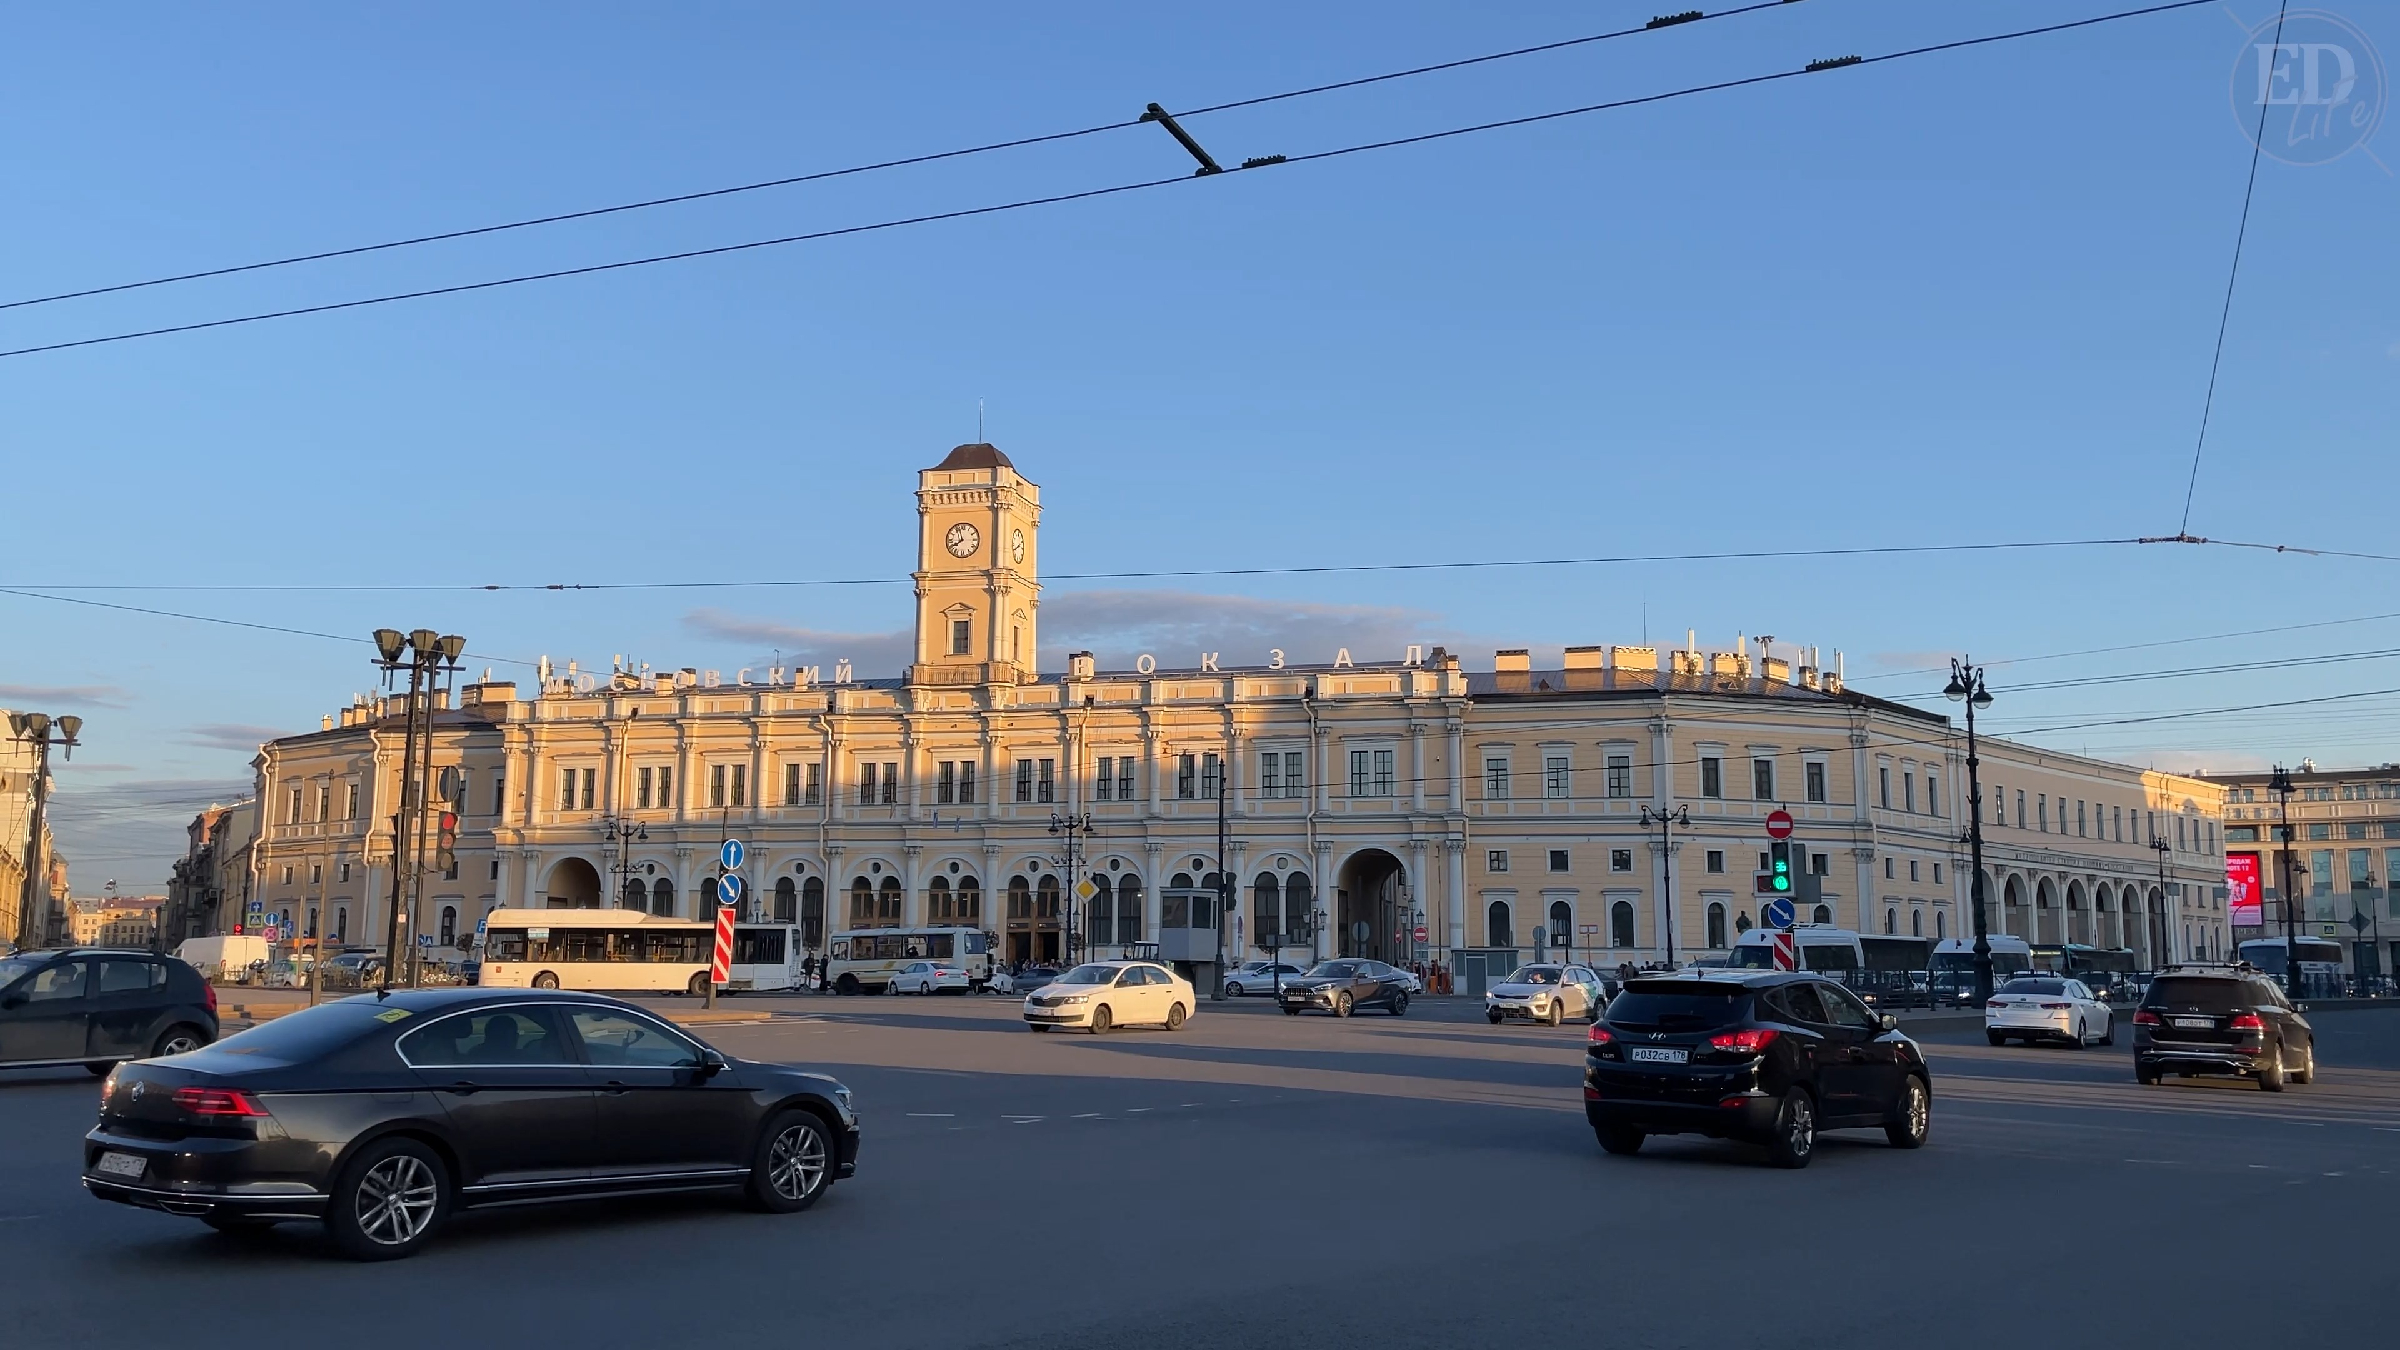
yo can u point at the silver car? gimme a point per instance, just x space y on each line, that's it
1546 993
1259 977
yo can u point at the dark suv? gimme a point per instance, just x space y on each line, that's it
96 1008
2222 1021
1767 1057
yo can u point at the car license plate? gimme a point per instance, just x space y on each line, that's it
121 1164
2204 1023
1658 1054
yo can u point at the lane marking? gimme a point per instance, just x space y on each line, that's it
932 1115
1089 1115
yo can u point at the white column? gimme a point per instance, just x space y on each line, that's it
529 894
687 901
1865 856
1420 892
1454 886
1863 811
912 905
1153 904
1458 762
1323 896
1416 770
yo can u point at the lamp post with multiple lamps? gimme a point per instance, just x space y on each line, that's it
622 835
2280 786
42 731
428 658
1666 821
1073 826
1966 686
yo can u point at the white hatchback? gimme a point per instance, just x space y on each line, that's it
1099 995
2048 1008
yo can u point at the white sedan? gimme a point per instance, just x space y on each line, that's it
2048 1008
929 977
1098 995
1259 977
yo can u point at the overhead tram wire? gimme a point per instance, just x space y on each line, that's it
907 161
230 623
1054 199
2135 646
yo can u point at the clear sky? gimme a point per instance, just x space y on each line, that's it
1964 298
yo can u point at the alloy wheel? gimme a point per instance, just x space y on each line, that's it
178 1043
1800 1127
396 1200
796 1161
1920 1110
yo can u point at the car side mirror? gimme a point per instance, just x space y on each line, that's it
2297 1007
1890 1023
12 1001
711 1064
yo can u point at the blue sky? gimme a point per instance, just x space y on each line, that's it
1969 297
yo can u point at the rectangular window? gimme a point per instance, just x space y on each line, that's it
1820 865
1125 777
2079 833
1554 776
1046 781
866 783
1495 778
966 782
2320 831
716 785
352 794
2041 812
891 784
1384 774
666 788
1270 774
1887 869
741 785
316 874
1815 774
1559 861
1908 792
324 802
1358 773
1933 800
1187 777
1620 860
1883 786
2361 863
1712 776
1716 860
2119 813
962 637
641 789
291 815
2356 829
1620 776
341 871
566 789
1762 779
1024 780
1106 778
1912 869
791 785
589 775
814 793
945 784
1495 860
1212 775
2241 834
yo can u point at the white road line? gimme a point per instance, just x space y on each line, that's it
1089 1115
1136 1110
931 1115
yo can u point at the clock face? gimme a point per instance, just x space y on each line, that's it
962 540
1016 545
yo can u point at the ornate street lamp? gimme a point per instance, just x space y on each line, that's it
1966 686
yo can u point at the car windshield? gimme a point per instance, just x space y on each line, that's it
1533 975
1337 969
2034 987
1087 975
311 1032
14 968
1678 1006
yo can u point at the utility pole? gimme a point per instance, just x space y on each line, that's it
1666 821
423 653
2281 786
34 896
1224 879
1966 685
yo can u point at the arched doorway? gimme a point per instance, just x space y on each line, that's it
1372 906
662 897
812 914
2045 914
574 884
2012 908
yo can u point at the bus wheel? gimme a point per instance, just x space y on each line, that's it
698 988
545 980
848 984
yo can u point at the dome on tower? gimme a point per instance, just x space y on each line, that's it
976 455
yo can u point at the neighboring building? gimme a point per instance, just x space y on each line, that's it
129 921
18 761
1382 795
83 922
2344 852
209 885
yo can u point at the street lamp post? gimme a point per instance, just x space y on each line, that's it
622 836
37 729
2281 786
1966 686
426 656
1666 821
1071 826
2166 930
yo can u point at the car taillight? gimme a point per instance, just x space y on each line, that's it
1599 1036
2146 1018
199 1101
208 996
1747 1041
2058 1007
2248 1021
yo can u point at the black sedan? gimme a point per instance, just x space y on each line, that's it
381 1114
1342 987
1766 1057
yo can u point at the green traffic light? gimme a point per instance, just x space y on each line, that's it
1782 882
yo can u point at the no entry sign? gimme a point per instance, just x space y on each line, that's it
1779 824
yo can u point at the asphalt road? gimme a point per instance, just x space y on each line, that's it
1257 1180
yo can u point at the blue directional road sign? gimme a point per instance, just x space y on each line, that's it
731 855
1778 912
729 889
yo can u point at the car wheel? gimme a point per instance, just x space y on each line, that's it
1399 1005
1175 1018
2270 1076
99 1068
1291 1012
1037 1026
1912 1116
388 1201
2144 1074
2307 1072
1592 1014
2076 1039
1558 1013
1341 1005
1233 991
1100 1020
1795 1139
848 984
1492 1017
794 1163
2108 1030
180 1039
1621 1140
1995 1038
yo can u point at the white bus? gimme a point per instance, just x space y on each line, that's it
863 960
1954 965
1822 948
619 950
2320 963
766 957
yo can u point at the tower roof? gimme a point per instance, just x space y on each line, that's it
976 455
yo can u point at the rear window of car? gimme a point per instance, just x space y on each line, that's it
312 1032
1679 1007
2200 995
2034 987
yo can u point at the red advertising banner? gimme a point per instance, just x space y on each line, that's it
2245 904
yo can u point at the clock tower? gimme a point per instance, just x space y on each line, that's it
977 599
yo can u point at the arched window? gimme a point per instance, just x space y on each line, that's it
708 897
1822 914
449 932
1620 924
1496 929
1916 923
1562 924
1045 896
1891 920
970 902
1940 923
937 902
888 902
1020 899
637 896
812 913
341 923
1297 916
1129 908
1716 924
662 896
787 901
1101 913
1181 881
862 903
1266 907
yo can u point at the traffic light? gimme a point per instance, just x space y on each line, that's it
445 848
1779 866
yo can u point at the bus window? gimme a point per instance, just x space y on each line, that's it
758 946
840 950
975 945
937 946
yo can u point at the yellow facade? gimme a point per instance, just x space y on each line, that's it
1390 791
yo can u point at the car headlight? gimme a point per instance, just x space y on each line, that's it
1076 998
841 1097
